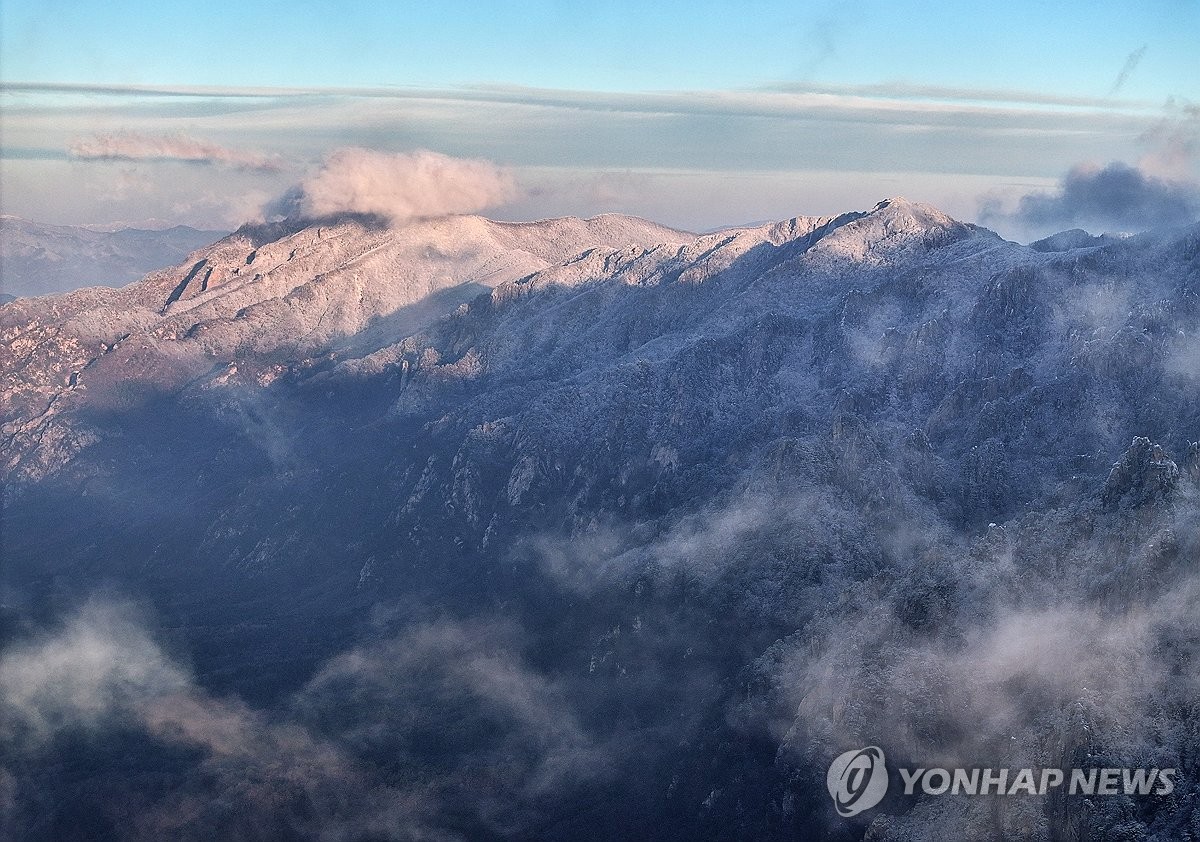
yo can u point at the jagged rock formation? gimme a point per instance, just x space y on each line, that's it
1143 475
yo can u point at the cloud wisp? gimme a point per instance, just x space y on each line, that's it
338 760
1131 63
136 146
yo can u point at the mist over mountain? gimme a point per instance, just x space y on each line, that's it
40 259
597 529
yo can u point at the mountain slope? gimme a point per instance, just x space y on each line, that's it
266 297
629 544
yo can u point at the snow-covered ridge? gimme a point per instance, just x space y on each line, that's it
270 298
267 298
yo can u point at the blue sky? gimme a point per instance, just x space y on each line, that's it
1071 48
700 113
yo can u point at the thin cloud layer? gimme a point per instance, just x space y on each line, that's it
715 157
135 146
400 186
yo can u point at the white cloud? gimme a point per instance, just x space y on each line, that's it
306 764
99 664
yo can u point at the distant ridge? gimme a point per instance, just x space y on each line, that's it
42 259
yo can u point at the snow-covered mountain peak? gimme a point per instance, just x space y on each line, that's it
885 234
893 228
898 208
279 286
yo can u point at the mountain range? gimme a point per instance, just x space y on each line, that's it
595 528
41 259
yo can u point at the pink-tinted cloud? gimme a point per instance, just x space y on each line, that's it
133 146
1173 146
402 186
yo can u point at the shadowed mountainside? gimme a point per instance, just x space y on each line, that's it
593 528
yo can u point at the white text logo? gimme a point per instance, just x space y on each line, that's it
858 781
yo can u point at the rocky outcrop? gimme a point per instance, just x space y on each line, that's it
1143 475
